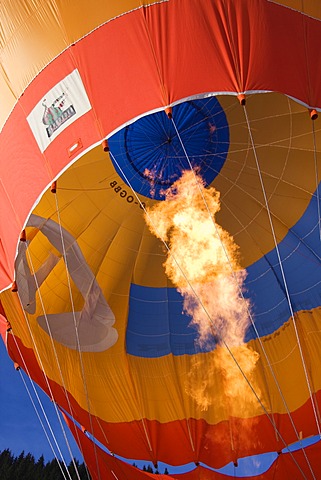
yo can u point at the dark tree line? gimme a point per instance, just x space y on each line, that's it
25 467
149 469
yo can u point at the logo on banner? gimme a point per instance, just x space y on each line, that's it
58 108
56 115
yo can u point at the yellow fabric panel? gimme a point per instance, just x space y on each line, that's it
80 17
31 37
309 7
111 231
15 314
34 32
282 133
283 353
8 98
310 330
150 258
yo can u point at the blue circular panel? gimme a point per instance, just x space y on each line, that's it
150 155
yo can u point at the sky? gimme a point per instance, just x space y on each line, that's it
20 428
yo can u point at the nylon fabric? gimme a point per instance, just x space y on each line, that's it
107 320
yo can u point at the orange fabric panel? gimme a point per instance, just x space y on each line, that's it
34 32
3 324
311 8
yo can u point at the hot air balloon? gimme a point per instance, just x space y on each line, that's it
160 226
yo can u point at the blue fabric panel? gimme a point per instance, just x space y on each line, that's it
157 326
148 153
300 252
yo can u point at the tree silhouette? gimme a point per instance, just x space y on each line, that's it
6 462
24 467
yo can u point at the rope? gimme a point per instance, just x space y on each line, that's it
281 267
43 427
56 357
76 331
79 347
42 409
316 176
46 380
285 283
237 283
211 324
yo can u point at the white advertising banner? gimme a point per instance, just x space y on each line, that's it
60 107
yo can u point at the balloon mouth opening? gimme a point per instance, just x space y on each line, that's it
153 152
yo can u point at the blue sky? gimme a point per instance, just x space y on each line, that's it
20 428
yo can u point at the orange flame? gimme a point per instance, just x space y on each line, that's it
203 264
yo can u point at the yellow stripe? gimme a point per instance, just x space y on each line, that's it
282 132
310 8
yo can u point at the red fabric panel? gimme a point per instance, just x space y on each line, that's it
23 172
3 324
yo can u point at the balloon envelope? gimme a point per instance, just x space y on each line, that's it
96 320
